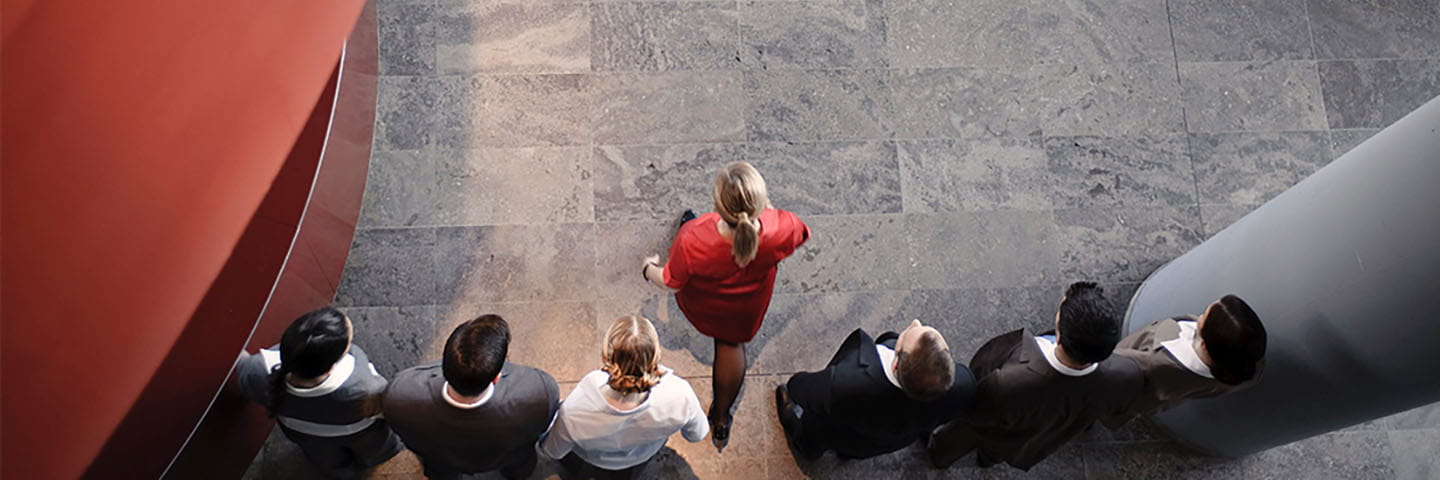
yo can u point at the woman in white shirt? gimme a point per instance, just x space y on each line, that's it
620 415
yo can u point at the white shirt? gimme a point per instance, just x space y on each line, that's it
1183 348
1047 347
887 360
615 439
484 396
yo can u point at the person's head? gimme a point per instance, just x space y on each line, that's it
922 362
309 347
1087 326
1233 338
475 353
631 355
739 198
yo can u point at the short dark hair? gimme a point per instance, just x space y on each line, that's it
475 353
309 347
1235 340
927 372
1088 327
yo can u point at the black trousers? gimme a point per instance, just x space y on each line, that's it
580 468
520 466
348 456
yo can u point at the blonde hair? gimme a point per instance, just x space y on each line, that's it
632 355
739 198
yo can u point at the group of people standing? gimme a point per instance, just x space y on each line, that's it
1020 398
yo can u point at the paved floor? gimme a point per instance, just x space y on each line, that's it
959 162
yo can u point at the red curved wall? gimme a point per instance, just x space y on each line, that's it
139 138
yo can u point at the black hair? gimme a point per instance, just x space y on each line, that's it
308 348
1088 327
475 353
1234 339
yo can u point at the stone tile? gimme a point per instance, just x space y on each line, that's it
1376 93
942 33
665 36
1240 30
405 112
1101 31
1217 217
982 249
848 253
399 189
829 178
1427 416
1343 141
655 182
533 339
813 34
1266 96
407 38
496 37
1123 244
1106 99
1251 168
816 105
1157 460
970 317
1067 463
963 102
513 111
976 175
802 332
668 107
514 186
1415 452
1390 28
1334 455
514 263
389 267
395 338
1148 170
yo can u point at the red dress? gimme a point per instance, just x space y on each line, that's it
721 299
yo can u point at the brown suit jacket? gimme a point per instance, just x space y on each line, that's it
1167 382
1024 410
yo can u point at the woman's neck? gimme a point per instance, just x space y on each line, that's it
306 382
624 401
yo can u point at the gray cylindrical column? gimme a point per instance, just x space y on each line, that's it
1344 270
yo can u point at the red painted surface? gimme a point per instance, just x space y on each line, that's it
139 140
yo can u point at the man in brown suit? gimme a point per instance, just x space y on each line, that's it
1037 392
1220 352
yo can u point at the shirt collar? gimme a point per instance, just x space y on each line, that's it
484 397
1048 349
339 373
1182 348
887 363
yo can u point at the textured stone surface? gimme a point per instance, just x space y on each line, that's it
1240 30
959 162
1268 96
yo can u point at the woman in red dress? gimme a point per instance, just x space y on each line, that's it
722 268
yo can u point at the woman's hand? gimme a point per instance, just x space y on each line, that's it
653 272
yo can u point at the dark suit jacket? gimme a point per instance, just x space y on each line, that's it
473 440
1024 410
1167 382
860 412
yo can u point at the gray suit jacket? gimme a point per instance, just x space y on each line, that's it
474 440
1024 410
1167 382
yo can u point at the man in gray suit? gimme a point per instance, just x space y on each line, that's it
474 412
1037 392
1186 357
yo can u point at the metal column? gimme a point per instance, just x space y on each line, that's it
1344 270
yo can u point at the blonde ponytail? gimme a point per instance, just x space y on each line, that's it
740 196
631 355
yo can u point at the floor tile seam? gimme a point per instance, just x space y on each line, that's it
887 69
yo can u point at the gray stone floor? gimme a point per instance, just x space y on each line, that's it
959 161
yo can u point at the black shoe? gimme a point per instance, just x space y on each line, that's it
790 416
687 216
720 433
985 461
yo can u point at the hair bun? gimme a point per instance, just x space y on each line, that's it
623 383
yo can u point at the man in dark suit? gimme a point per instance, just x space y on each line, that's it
1036 393
876 396
474 412
1186 357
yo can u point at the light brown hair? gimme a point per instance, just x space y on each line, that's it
739 198
632 355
